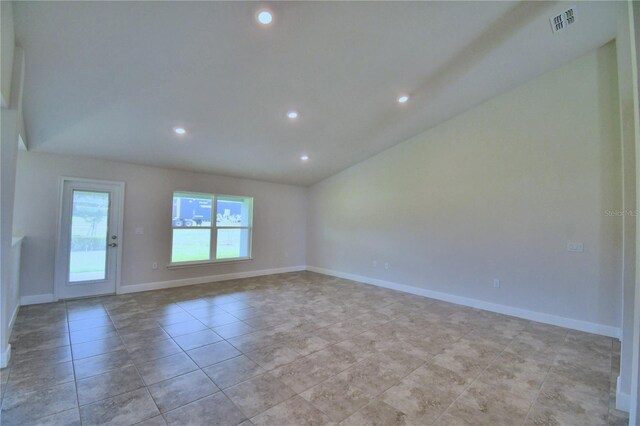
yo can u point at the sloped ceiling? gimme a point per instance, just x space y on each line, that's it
112 79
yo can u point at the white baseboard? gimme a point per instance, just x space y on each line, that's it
12 321
575 324
590 327
135 288
36 299
623 400
5 356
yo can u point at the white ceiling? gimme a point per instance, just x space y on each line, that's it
111 79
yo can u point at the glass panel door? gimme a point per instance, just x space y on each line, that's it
89 248
89 236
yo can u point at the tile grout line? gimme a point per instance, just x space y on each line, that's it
551 364
146 387
302 357
73 364
134 366
473 380
341 371
403 377
241 351
199 368
67 321
374 398
610 375
172 338
172 297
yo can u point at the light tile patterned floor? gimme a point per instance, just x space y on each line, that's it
299 348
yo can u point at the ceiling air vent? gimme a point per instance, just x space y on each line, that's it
563 20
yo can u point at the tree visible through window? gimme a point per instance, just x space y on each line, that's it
197 237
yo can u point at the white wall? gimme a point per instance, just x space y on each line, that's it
11 119
496 192
8 154
7 44
279 218
634 32
626 65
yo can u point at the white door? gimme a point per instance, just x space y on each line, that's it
89 238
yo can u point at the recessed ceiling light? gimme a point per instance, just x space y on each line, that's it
304 157
179 130
264 17
403 99
292 115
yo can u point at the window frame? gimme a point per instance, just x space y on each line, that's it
213 231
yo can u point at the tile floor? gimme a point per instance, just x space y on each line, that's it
299 349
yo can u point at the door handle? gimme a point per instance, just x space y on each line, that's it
112 245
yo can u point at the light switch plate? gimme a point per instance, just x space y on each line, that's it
575 247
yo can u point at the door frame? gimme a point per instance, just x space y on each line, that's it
118 202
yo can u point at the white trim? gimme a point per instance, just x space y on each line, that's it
180 265
575 324
12 321
36 299
16 240
119 200
213 230
622 399
135 288
5 356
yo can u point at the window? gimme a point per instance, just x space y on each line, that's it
209 228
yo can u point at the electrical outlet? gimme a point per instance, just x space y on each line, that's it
154 265
575 247
496 283
139 231
375 263
386 265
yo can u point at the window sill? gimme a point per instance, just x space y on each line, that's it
181 265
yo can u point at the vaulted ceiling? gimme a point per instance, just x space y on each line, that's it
112 79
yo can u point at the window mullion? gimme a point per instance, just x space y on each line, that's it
246 213
214 229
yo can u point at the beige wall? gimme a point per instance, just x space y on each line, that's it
9 126
7 44
634 31
626 65
496 192
279 218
